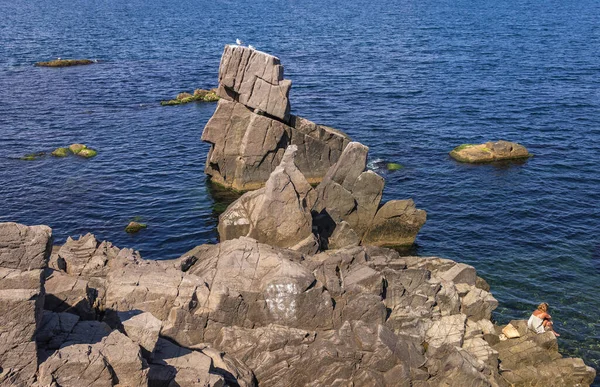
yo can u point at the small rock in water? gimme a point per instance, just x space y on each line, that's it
134 227
87 153
60 152
488 152
76 148
65 62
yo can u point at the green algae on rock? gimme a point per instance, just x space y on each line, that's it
489 152
134 227
60 152
76 148
65 62
200 95
87 153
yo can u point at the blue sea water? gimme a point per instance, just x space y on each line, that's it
410 79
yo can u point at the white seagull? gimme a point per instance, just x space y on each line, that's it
239 42
251 47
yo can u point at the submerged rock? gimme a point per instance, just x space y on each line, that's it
76 148
134 227
87 153
488 152
66 62
60 152
33 156
200 95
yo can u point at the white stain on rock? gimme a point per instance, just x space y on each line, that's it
281 300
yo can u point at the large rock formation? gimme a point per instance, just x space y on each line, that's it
344 209
252 127
24 253
243 313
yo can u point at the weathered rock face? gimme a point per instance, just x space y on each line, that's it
246 147
352 195
355 354
24 253
255 79
278 214
488 152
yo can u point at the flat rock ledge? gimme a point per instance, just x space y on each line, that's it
489 152
243 313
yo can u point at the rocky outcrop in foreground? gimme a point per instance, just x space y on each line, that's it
245 313
488 152
252 125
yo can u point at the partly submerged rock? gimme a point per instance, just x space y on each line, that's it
488 152
246 146
33 156
87 153
60 152
134 227
66 62
396 223
76 148
200 95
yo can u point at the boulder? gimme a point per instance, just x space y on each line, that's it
55 329
65 293
74 366
396 223
86 256
24 247
125 359
278 214
143 328
176 366
246 147
24 253
490 151
255 79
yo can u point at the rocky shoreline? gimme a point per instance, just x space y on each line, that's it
299 291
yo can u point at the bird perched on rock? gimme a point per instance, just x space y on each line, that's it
251 47
239 42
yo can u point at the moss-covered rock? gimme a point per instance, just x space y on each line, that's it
76 148
200 95
60 152
87 153
488 152
134 227
33 156
65 62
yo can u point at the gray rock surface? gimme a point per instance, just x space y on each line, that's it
242 313
255 79
143 328
24 253
246 147
352 195
278 214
